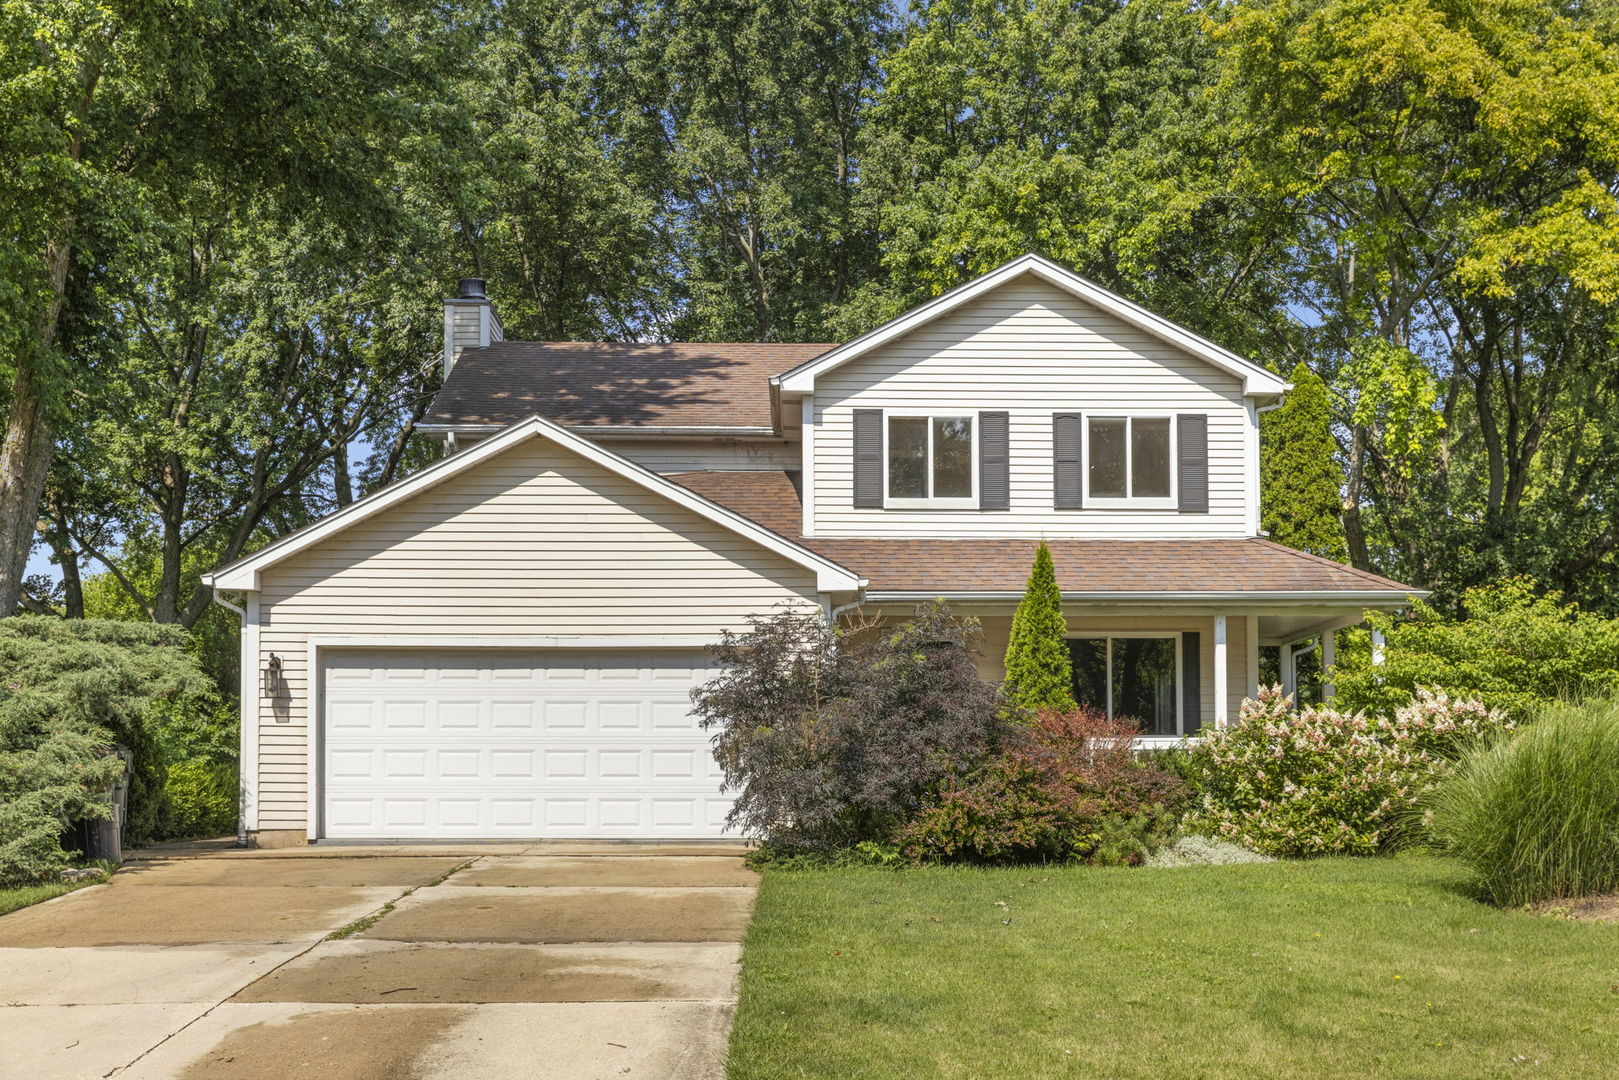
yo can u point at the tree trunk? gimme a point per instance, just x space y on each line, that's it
1354 528
25 451
342 482
72 585
60 538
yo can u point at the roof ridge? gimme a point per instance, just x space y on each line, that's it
665 344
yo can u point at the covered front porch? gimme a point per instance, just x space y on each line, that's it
1175 666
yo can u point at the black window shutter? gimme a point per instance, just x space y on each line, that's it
994 461
1191 682
1066 434
868 458
1192 462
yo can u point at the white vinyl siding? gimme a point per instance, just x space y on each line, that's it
698 455
535 541
467 323
1032 349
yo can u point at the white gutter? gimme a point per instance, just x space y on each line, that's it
832 613
1345 596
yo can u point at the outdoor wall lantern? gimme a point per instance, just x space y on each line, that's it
272 676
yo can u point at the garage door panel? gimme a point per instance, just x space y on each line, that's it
619 716
518 744
460 715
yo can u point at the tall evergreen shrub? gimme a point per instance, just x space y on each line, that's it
1299 479
1039 673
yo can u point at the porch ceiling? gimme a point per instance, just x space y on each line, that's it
1280 622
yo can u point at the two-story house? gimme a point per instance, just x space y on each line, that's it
503 644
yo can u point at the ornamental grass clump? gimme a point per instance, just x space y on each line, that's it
1536 816
1324 782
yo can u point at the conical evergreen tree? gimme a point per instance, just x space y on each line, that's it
1299 479
1039 673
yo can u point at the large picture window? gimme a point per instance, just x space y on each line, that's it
930 460
1130 459
1133 678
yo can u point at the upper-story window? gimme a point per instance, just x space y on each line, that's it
931 460
1130 460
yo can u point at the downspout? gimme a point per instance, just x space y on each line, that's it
241 613
222 602
832 613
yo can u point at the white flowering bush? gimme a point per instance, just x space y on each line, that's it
1322 782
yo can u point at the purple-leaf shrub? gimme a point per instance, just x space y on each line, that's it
834 739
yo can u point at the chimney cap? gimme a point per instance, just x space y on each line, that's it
471 288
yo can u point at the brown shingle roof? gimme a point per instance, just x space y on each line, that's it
637 384
992 564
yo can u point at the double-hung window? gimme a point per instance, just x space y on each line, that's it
1130 461
931 460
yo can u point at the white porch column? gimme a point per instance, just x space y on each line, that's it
1377 646
1250 645
1290 672
1221 712
1329 657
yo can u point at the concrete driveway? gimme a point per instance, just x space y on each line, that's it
553 960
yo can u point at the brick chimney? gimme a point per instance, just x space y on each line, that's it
470 321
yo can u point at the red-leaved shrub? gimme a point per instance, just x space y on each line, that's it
1068 787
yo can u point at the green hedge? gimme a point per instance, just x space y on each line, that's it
1516 649
74 688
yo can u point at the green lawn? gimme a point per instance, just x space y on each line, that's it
1378 968
21 896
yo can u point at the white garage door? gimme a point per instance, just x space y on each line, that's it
508 743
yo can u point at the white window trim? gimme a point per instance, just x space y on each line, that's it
969 502
1180 668
1131 502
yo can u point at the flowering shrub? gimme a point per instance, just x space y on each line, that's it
1068 787
1321 781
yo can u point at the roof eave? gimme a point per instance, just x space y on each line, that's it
830 577
1348 597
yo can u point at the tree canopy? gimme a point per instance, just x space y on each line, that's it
228 227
